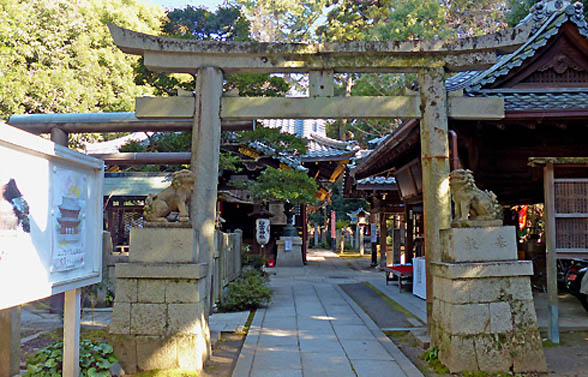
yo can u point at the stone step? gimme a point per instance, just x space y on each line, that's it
214 338
414 322
422 337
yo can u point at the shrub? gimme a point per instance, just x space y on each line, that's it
95 360
251 259
247 293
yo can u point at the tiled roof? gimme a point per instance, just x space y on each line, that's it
290 161
540 99
314 130
322 147
298 127
547 23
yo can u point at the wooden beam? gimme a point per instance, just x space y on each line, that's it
359 107
475 108
144 158
241 108
167 121
184 55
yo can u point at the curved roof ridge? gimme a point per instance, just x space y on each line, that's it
550 24
334 143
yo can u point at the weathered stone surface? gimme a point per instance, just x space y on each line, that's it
192 351
478 244
480 270
185 318
126 290
148 319
453 291
459 355
125 349
520 288
151 291
468 319
500 318
161 270
156 352
527 351
488 290
121 318
289 258
523 312
493 352
182 291
162 245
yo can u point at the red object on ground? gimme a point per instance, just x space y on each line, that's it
271 263
401 268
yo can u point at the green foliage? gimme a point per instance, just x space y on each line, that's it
431 356
282 20
256 261
226 24
432 353
342 205
247 293
340 224
58 56
286 185
257 85
95 360
273 137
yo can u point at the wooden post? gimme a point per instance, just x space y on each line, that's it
435 167
71 333
71 307
409 234
204 163
361 240
383 234
59 136
553 305
10 343
303 215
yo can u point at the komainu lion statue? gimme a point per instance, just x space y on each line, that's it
174 198
473 207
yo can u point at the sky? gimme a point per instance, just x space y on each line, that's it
172 4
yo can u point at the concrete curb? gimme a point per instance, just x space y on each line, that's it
247 354
405 364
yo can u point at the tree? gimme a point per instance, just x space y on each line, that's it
281 20
58 56
288 186
225 24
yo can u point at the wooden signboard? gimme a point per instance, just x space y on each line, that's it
50 218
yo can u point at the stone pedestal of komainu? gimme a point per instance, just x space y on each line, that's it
473 207
483 315
174 198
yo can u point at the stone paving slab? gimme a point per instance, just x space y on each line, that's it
312 328
227 322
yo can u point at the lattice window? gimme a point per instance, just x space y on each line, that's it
571 213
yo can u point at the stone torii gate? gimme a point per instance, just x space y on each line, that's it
210 60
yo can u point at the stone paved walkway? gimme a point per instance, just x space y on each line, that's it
312 328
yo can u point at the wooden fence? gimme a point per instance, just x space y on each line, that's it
226 265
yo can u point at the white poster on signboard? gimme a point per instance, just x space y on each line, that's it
70 188
50 218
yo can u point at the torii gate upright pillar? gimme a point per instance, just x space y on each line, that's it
206 136
435 165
